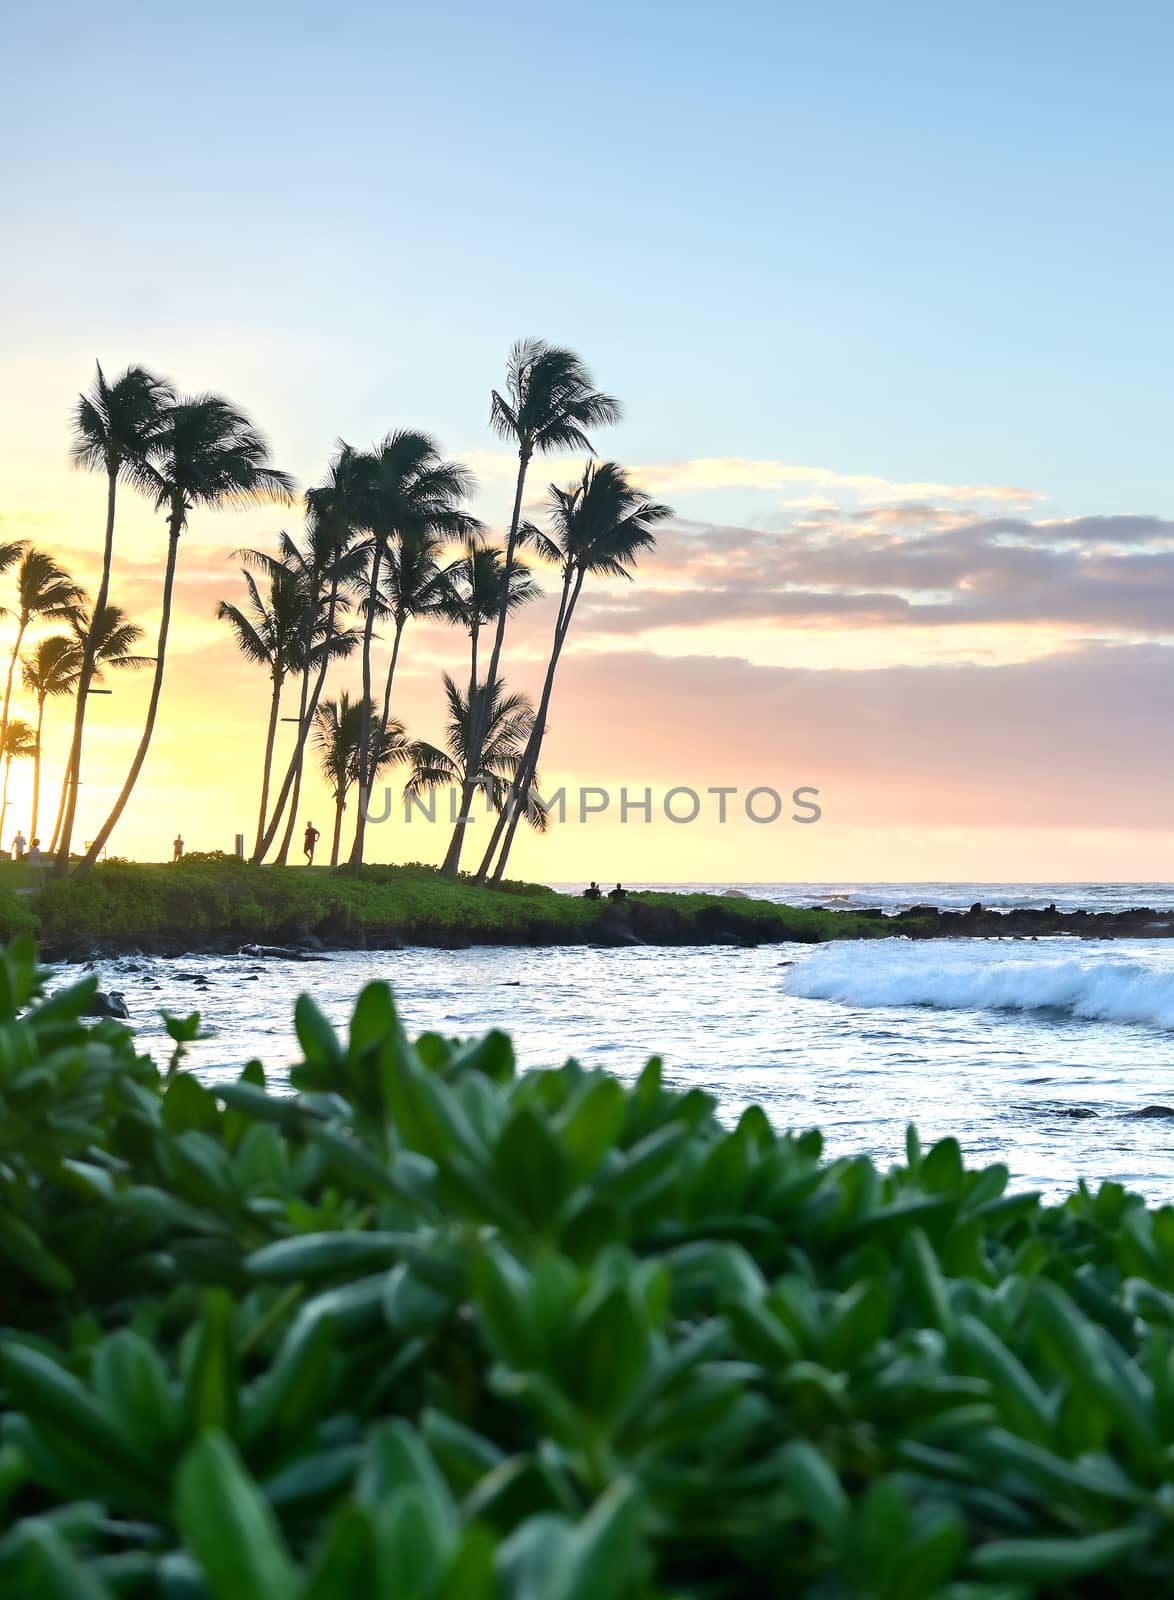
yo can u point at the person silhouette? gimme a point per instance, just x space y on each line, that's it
311 839
594 892
618 893
18 846
35 850
177 847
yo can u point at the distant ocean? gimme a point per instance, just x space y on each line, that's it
1055 1056
899 896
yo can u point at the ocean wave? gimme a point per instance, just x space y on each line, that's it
1106 989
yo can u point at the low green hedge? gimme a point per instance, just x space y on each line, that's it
429 1330
201 898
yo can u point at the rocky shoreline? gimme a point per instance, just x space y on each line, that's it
635 922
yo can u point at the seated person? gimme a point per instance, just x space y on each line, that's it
618 893
593 892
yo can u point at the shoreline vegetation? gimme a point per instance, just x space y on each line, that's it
216 905
433 1328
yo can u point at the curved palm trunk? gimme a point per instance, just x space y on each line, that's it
477 714
452 860
60 812
399 631
295 760
136 766
37 769
339 808
299 756
364 762
511 813
69 790
270 737
24 622
4 800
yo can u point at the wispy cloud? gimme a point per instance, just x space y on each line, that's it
915 565
740 472
712 474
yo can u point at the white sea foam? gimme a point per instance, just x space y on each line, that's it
1096 985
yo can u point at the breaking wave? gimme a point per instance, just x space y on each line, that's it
1098 988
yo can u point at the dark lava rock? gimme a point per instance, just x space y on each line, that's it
616 934
280 952
107 1005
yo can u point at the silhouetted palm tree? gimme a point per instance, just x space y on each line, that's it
474 594
113 638
310 567
337 729
405 490
549 403
272 632
19 740
413 584
115 428
330 536
51 670
508 721
208 454
44 591
597 527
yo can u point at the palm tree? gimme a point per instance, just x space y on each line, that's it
414 584
310 566
269 632
44 591
475 593
337 730
508 721
19 740
113 639
549 403
406 490
331 530
207 454
598 527
116 427
51 670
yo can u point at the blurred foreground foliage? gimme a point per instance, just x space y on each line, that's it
425 1329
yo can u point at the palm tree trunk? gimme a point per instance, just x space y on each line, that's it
4 801
452 860
295 760
399 630
339 808
299 756
24 622
270 736
60 812
136 766
477 713
85 678
511 813
356 857
37 769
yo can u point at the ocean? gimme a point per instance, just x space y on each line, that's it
1055 1055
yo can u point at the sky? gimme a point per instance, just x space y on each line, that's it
884 292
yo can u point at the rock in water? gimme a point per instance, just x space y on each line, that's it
107 1005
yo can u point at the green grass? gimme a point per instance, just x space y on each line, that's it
207 899
427 1329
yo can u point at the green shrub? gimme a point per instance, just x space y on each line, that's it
431 1330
